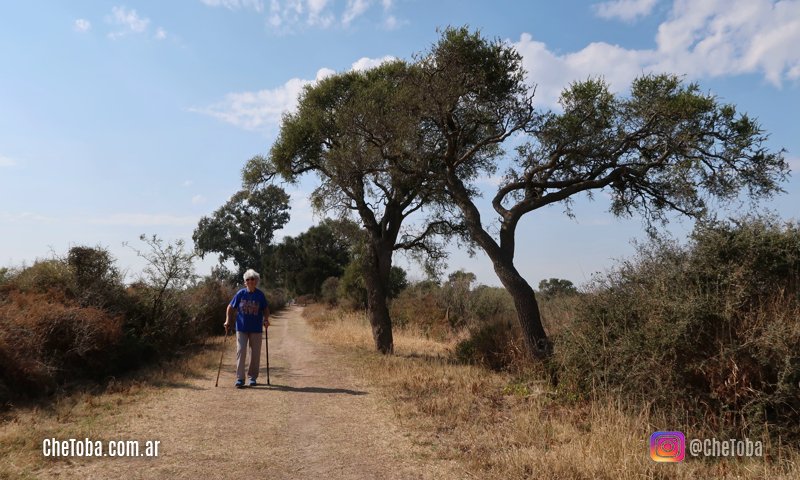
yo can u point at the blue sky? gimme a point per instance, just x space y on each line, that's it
118 119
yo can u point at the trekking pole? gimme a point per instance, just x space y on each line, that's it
266 347
222 354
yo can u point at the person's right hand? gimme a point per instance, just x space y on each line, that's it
226 325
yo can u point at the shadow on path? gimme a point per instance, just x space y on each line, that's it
286 388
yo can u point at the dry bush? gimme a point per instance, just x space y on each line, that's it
207 302
707 333
420 307
45 341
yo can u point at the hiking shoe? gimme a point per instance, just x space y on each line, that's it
252 382
240 383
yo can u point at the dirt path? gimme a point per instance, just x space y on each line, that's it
316 420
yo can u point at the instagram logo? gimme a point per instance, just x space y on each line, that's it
667 446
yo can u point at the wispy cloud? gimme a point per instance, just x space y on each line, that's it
292 16
625 10
262 110
198 199
129 22
115 219
82 25
355 8
26 217
142 220
256 5
7 162
698 39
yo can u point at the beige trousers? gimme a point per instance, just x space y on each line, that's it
254 339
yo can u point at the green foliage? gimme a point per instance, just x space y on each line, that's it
709 330
352 288
242 230
43 275
302 263
554 287
329 292
96 281
665 148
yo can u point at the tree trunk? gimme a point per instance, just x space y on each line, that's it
502 257
376 278
530 320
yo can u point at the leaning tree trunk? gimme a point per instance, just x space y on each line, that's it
376 275
530 320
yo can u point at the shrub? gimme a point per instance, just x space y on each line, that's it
496 345
329 291
709 330
207 303
419 307
46 341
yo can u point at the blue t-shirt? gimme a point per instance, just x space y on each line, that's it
250 310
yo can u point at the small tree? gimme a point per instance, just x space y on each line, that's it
170 267
553 287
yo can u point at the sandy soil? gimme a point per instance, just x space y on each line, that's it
316 420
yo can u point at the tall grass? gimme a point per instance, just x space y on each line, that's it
500 425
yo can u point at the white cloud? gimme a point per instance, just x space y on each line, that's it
142 220
256 110
121 219
699 39
365 63
317 15
289 16
262 110
392 23
26 217
82 25
625 10
256 5
7 162
161 34
198 199
129 20
355 8
187 183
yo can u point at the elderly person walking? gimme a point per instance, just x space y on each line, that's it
252 312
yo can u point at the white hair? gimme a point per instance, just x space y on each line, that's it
251 274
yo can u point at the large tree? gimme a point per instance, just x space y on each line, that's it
242 230
359 132
665 147
303 262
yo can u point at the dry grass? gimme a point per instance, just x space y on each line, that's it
501 426
90 413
